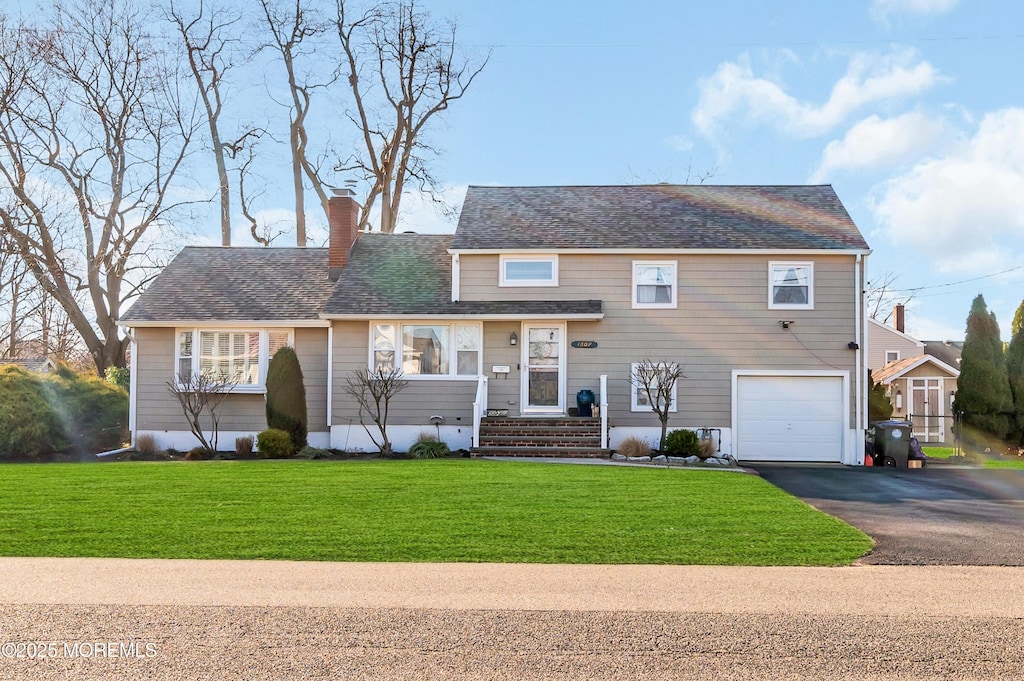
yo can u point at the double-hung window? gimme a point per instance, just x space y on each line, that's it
235 356
654 284
517 270
640 398
419 349
791 286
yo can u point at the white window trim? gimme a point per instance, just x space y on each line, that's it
263 360
453 359
674 264
504 259
892 352
772 265
634 392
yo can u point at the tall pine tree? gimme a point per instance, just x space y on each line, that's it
983 390
1015 371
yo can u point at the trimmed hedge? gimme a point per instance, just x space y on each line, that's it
62 412
682 442
275 444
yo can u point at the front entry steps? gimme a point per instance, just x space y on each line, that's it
566 437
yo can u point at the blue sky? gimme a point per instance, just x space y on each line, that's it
912 109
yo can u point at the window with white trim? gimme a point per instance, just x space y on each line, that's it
420 349
238 356
892 356
791 286
654 283
515 270
639 398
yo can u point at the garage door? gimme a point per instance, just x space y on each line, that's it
789 418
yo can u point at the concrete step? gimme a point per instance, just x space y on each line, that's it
544 452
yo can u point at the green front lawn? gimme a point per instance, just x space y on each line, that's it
1005 462
413 511
938 452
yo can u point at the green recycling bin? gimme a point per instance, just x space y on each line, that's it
892 443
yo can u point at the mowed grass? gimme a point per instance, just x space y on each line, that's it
413 511
938 452
1005 462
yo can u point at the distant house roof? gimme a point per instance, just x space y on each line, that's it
656 217
41 364
946 351
236 284
410 274
901 367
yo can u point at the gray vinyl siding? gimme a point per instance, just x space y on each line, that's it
423 398
882 340
722 323
158 410
311 349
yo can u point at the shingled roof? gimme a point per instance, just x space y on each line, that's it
656 217
236 284
410 274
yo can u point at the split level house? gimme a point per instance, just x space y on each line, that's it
920 377
541 292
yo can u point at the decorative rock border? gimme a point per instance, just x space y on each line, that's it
663 460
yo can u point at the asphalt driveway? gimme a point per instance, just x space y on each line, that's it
934 516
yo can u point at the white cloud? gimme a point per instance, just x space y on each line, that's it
734 90
882 9
680 143
965 210
876 142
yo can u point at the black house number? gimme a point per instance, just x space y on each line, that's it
584 344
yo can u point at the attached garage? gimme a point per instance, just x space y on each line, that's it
789 417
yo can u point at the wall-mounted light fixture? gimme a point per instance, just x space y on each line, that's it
513 339
786 323
899 400
853 345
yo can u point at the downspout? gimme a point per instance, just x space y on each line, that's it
133 386
456 278
861 397
330 377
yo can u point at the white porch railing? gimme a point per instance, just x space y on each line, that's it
479 408
604 411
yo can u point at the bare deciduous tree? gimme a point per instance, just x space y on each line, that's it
403 69
294 27
209 48
373 391
92 134
656 382
199 394
881 297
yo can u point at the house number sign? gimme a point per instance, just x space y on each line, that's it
584 344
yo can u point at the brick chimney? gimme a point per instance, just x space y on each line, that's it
897 317
343 220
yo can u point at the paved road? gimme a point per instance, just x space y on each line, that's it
938 515
280 620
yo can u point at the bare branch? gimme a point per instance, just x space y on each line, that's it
373 391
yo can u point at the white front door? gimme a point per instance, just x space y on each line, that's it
543 384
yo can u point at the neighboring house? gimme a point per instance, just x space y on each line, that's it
43 365
541 292
920 382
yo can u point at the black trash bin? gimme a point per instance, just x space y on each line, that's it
891 440
585 402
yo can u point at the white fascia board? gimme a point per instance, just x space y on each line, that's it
898 333
586 316
920 361
232 324
786 252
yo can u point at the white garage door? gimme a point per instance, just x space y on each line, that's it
789 418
